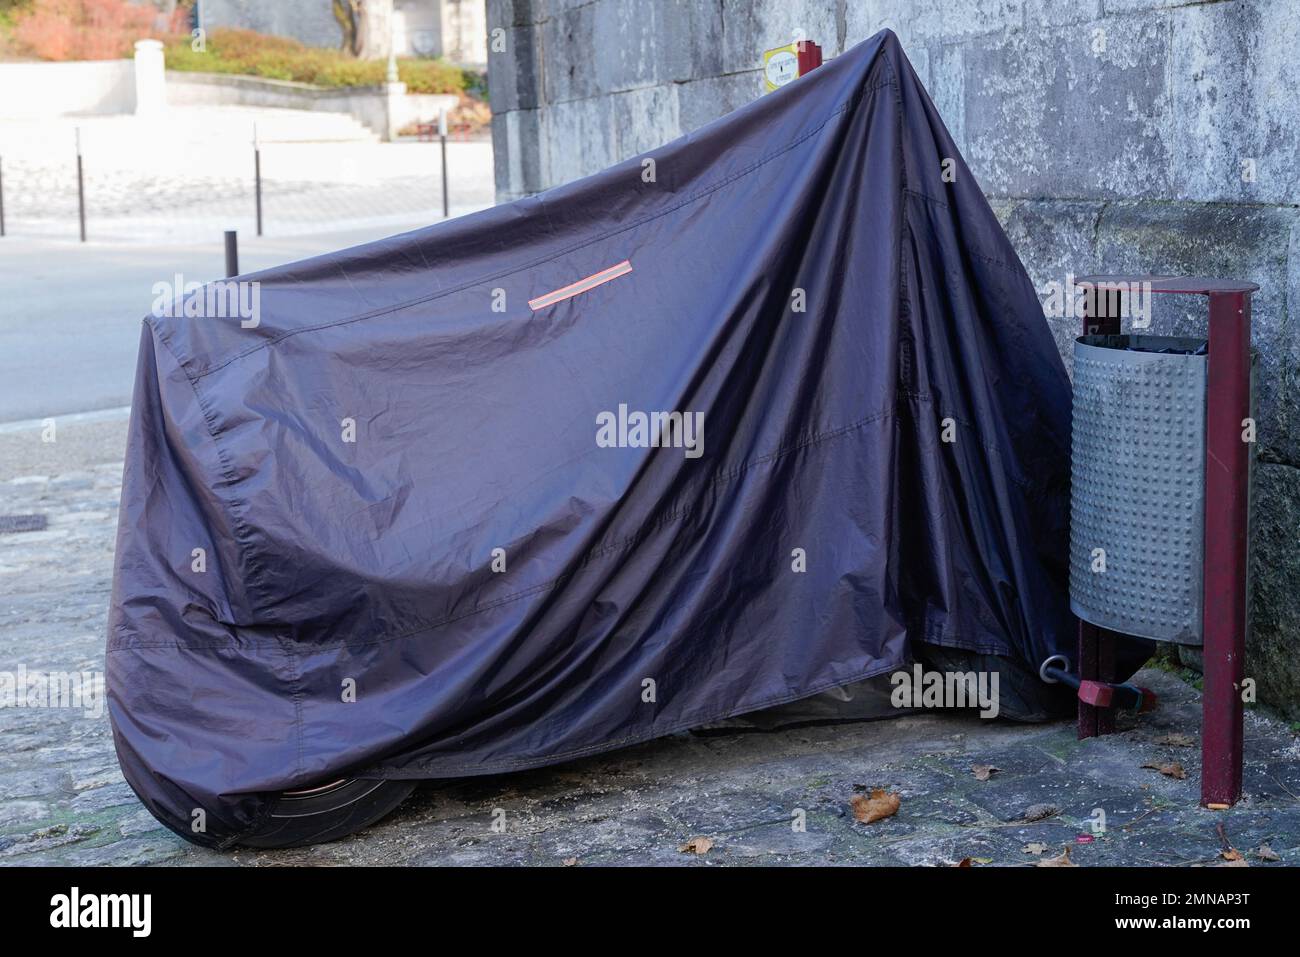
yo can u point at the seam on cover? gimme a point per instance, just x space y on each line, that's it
297 706
898 120
973 254
853 101
543 586
993 262
925 196
242 538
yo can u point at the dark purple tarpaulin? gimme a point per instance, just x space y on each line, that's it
815 526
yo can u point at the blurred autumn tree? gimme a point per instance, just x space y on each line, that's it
91 29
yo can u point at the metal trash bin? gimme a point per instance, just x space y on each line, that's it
1137 499
1138 484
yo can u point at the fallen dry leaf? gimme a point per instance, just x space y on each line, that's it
1037 812
570 861
1034 848
1062 861
1231 854
1266 853
1177 740
881 804
697 845
964 862
983 772
1170 770
1240 862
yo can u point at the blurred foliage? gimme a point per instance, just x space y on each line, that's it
280 58
83 29
476 83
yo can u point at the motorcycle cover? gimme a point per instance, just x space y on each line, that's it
724 426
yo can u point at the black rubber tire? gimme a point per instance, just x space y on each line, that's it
328 812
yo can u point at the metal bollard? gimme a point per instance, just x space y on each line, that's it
442 135
81 190
257 178
232 253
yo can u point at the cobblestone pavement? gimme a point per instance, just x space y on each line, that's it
63 801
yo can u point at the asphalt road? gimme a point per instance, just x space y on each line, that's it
70 313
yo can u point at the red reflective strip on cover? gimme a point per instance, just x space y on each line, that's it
582 285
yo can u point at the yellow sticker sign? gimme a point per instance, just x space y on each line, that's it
780 66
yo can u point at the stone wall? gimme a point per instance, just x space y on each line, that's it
1110 135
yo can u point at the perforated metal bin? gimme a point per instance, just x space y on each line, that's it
1138 485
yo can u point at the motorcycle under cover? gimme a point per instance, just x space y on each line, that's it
409 414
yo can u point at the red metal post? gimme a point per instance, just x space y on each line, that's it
1097 645
1087 666
1227 470
809 56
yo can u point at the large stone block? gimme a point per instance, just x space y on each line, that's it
517 154
580 137
1234 71
627 48
568 65
645 120
703 101
919 23
1273 646
514 76
688 39
1080 111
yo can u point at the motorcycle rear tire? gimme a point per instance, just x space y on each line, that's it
328 812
